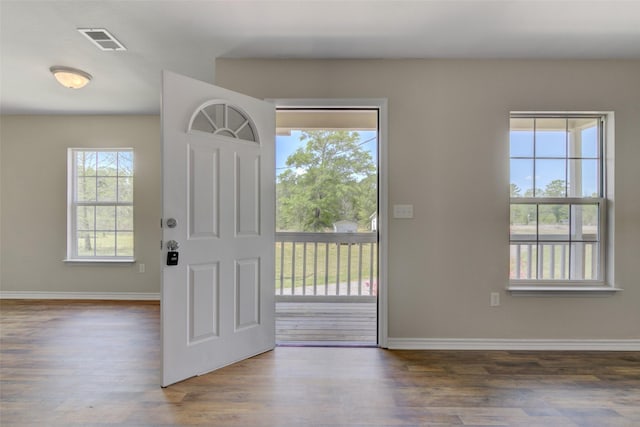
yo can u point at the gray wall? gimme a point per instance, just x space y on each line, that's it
448 133
34 202
448 156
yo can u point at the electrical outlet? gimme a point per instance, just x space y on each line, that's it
495 299
140 268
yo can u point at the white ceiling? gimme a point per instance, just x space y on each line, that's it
186 37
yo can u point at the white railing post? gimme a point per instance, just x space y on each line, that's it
293 268
360 269
371 274
304 268
315 268
281 268
349 269
326 268
338 268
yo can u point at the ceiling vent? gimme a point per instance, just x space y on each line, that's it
102 38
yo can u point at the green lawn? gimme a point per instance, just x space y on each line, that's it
104 243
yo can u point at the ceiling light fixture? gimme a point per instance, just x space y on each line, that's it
70 77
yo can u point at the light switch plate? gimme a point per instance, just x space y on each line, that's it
403 211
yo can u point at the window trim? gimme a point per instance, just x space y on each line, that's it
72 181
604 283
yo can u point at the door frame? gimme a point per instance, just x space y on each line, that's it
383 187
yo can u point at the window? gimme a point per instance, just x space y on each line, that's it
557 210
223 119
100 207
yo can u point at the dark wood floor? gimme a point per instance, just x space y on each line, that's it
87 363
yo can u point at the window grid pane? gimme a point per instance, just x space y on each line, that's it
564 159
102 211
565 236
555 158
523 261
553 261
86 244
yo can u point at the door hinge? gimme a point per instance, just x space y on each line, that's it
160 244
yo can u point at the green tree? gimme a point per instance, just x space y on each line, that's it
556 188
327 180
367 199
515 190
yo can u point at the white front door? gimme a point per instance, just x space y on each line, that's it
218 181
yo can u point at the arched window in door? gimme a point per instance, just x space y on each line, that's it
220 118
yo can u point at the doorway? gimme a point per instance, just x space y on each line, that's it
327 225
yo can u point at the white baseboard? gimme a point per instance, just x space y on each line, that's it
120 296
512 344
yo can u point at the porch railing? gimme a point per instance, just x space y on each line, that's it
555 260
338 265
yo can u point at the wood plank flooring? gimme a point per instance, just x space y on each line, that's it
97 363
326 323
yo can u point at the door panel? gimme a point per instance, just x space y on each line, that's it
218 185
248 195
247 293
203 301
204 197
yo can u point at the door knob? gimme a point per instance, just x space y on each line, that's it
172 245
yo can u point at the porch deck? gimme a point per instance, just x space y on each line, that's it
326 323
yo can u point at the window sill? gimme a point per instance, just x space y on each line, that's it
99 261
517 289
